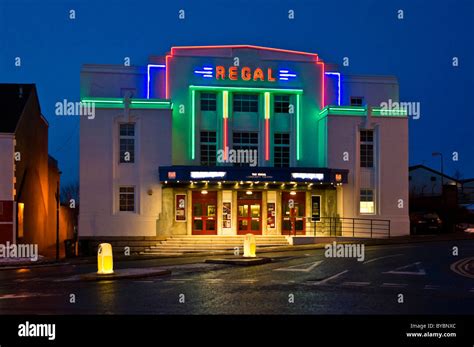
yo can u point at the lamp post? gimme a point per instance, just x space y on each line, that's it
436 154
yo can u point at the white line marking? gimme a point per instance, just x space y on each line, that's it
297 268
375 259
356 284
394 285
420 271
329 278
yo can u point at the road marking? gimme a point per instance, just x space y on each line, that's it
394 285
460 267
325 281
356 284
297 268
375 259
23 296
431 287
419 272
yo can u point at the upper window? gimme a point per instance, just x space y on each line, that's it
366 148
357 101
282 104
246 143
245 103
281 151
367 201
127 199
208 148
127 142
208 102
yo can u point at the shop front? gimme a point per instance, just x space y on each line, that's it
215 206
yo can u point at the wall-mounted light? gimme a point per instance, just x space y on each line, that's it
204 192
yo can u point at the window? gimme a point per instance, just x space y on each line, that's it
208 148
366 148
127 143
367 201
282 104
208 102
127 199
357 101
281 151
245 103
245 141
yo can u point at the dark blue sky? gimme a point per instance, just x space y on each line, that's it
417 49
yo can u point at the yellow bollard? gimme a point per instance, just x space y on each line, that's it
105 260
250 246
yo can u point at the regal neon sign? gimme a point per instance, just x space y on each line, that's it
236 73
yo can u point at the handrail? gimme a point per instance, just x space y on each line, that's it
350 227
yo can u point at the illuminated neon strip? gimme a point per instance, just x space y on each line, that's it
193 115
285 75
338 74
134 103
323 95
361 111
149 66
167 77
267 125
298 154
248 89
314 55
225 116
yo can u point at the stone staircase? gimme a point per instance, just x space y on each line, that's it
193 244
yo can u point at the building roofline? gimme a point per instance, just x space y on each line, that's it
421 166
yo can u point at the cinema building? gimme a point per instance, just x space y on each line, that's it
170 149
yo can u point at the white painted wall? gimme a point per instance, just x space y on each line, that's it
101 174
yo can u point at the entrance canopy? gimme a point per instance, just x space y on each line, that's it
252 174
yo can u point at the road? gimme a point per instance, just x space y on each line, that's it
296 282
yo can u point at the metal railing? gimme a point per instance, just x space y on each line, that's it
351 227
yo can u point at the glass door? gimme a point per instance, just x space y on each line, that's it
249 214
204 213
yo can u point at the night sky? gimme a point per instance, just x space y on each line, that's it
418 50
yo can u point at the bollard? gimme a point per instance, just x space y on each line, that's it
105 261
250 246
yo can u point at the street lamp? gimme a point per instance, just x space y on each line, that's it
436 154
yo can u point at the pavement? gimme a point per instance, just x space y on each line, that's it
414 278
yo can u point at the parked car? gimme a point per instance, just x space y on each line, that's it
425 223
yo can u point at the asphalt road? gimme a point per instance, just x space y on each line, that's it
296 282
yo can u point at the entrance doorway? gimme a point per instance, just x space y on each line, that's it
249 213
293 212
204 212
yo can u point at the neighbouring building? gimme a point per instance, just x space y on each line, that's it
171 148
29 177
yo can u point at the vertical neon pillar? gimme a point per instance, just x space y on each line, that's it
298 134
225 116
267 125
193 116
323 92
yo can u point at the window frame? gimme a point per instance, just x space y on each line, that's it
364 197
281 146
242 99
127 193
279 106
127 138
208 143
366 149
207 101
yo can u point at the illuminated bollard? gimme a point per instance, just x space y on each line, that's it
250 246
105 261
